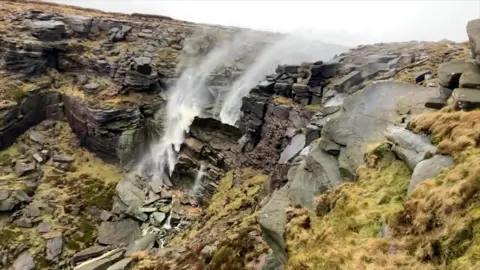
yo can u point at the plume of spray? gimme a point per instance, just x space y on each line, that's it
292 49
186 101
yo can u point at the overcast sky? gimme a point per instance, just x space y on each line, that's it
343 22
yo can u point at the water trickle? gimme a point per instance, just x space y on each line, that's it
198 180
168 226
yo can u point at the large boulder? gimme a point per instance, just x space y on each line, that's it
466 98
48 30
428 169
24 261
80 25
293 148
116 233
317 173
449 73
410 147
272 220
470 78
473 31
130 194
367 113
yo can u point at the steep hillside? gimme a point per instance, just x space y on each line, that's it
144 142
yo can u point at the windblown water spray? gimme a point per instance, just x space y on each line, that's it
290 50
185 102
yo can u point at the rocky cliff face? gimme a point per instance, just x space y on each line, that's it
325 170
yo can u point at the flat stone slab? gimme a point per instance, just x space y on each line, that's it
466 98
367 113
121 232
449 72
436 103
470 78
293 148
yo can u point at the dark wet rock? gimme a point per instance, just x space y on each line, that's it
466 99
293 148
330 147
470 79
44 227
143 65
436 103
4 194
367 113
130 194
80 25
473 31
89 253
23 169
317 173
266 86
124 264
449 73
420 76
38 137
121 232
105 261
24 261
428 169
144 243
48 30
348 81
325 70
272 220
91 88
54 248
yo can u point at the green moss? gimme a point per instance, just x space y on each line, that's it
349 218
84 237
8 235
313 107
97 194
42 263
16 94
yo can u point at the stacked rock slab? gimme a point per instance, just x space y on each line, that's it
464 75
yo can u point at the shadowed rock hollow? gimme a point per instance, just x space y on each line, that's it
327 159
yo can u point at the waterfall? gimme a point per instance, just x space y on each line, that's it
186 101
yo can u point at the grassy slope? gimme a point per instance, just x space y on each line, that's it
436 228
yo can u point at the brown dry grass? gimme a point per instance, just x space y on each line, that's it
438 53
437 227
453 131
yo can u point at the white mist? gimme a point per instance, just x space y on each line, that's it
290 50
186 101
